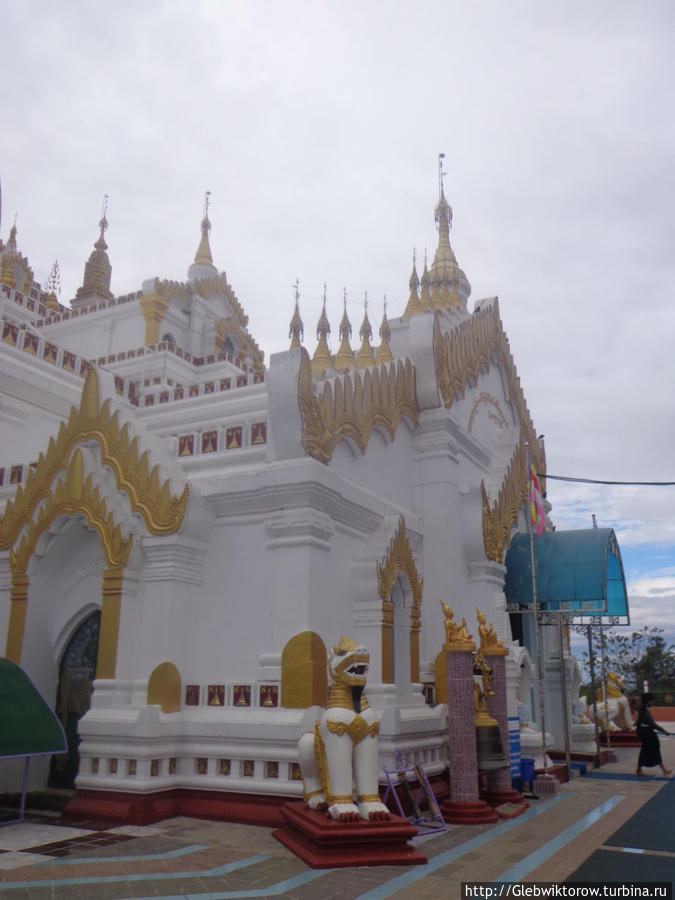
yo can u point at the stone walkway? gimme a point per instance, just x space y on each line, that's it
46 857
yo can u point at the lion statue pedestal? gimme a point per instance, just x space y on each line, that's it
342 821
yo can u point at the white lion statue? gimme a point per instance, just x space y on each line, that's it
339 758
618 705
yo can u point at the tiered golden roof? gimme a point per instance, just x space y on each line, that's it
414 304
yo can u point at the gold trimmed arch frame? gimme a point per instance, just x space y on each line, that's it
399 561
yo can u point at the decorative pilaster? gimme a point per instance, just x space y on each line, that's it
110 622
17 617
153 307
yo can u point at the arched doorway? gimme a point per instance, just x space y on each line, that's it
73 696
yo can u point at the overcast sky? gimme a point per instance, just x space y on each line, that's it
316 126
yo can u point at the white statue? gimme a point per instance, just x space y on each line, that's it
618 705
339 757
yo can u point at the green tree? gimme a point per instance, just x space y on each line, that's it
636 657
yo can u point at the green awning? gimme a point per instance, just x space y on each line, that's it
579 573
28 725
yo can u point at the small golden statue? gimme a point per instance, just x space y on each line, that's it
454 633
489 642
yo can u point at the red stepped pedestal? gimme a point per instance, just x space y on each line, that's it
323 843
499 797
468 812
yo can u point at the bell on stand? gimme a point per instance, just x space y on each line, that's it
489 749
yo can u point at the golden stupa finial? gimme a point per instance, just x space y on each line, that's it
384 354
414 305
366 356
322 358
425 293
203 255
97 269
344 358
297 329
449 285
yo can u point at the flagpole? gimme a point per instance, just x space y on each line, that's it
535 610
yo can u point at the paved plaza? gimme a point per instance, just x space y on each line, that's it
47 856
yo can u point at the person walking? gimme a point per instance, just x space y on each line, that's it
650 749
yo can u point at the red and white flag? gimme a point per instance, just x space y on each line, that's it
537 512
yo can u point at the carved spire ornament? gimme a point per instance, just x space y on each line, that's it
97 269
344 358
425 295
297 329
449 285
365 357
384 354
414 304
322 358
203 255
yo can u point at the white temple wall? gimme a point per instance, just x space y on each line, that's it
100 333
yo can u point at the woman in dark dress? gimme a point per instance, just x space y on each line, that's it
650 749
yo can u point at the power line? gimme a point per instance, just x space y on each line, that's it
601 481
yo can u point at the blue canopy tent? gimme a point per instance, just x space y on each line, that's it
29 725
579 574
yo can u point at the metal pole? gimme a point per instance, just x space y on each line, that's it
603 663
589 635
563 690
535 610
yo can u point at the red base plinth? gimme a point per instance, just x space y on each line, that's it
143 809
620 739
323 843
468 812
497 798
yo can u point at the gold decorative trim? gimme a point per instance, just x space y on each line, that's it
500 517
460 356
355 406
230 325
367 798
399 560
74 495
162 512
321 761
18 597
357 729
154 309
111 605
304 681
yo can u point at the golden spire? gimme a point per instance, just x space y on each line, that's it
203 255
97 269
344 358
9 255
425 298
297 329
449 283
414 306
366 356
384 350
322 358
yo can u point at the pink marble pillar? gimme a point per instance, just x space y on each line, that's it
499 789
464 805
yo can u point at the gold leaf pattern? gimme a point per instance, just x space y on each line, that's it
162 512
460 356
356 406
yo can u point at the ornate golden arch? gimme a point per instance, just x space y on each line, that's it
162 512
73 495
399 560
164 687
